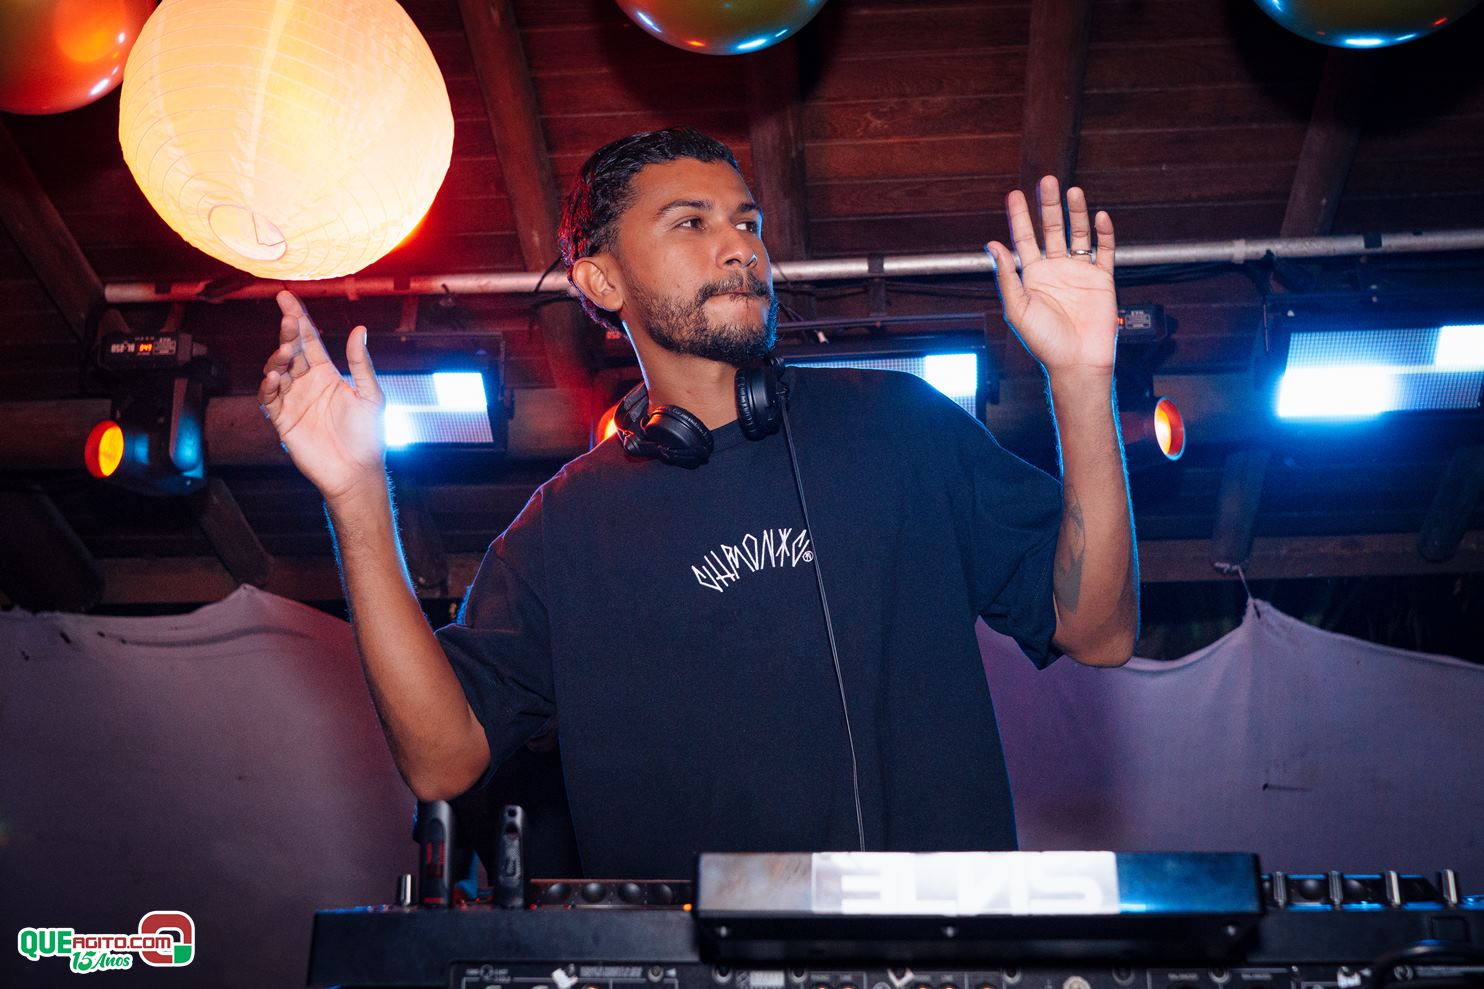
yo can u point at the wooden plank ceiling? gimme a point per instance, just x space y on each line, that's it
886 127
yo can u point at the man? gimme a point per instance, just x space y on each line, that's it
673 616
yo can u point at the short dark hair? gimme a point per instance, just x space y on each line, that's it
600 195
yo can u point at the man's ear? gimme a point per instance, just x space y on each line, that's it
593 279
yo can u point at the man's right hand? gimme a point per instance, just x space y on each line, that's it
332 431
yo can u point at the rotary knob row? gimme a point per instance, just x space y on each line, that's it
559 893
1360 891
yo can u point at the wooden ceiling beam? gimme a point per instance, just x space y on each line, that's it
776 133
1242 479
38 230
44 566
515 124
525 162
1329 145
186 580
422 544
1458 493
1056 64
50 434
1292 557
231 535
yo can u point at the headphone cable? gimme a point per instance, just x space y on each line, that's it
829 627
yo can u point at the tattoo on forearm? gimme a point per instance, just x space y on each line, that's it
1071 549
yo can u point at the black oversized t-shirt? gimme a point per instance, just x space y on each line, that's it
670 619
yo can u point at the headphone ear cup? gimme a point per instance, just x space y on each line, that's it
759 401
682 437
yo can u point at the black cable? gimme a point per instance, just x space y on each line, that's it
535 300
829 627
540 281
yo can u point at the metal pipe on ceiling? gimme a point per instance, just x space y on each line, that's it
830 269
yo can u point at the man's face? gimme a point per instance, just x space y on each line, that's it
696 274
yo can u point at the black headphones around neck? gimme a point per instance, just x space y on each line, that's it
671 434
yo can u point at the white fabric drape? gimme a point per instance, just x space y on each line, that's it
1315 750
226 762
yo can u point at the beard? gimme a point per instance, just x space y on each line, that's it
683 326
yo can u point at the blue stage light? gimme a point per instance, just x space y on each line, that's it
1356 392
459 391
443 408
956 375
1363 373
1460 348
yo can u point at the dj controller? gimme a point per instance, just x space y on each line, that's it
961 920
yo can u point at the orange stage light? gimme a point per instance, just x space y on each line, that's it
104 449
1169 429
606 426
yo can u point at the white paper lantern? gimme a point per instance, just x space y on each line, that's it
293 139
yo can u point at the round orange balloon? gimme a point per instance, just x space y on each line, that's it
734 27
59 55
1365 23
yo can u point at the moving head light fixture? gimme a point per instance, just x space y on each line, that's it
154 439
1152 427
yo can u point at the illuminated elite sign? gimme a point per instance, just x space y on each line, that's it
165 939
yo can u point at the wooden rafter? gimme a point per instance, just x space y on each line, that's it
1056 64
1329 146
49 435
776 130
1458 493
194 579
231 535
422 545
515 123
44 566
510 102
44 239
1323 166
1242 480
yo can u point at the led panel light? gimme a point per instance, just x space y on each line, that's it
1364 373
445 408
1460 348
956 375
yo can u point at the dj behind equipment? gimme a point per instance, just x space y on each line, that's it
900 920
887 920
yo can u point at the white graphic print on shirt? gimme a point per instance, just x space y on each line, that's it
775 548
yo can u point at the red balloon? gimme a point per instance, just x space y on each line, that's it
733 27
59 55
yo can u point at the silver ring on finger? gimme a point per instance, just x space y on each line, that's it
1081 253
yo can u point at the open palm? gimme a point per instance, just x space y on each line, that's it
1062 305
332 430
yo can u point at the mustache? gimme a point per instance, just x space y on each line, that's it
746 284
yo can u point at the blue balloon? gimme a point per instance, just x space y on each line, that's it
1365 23
721 27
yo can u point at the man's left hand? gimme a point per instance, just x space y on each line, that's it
1062 305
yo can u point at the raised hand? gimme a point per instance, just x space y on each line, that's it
333 431
1062 304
